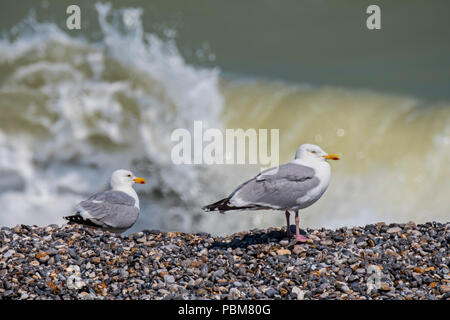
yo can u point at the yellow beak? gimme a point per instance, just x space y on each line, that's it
139 180
331 156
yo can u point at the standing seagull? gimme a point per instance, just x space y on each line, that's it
291 186
114 210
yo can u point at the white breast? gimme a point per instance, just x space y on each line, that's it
323 173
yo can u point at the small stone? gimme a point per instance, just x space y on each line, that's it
360 271
204 271
444 288
324 295
124 274
96 260
385 287
299 249
361 244
235 293
74 282
42 257
271 292
141 239
169 279
298 293
343 287
219 273
394 230
35 263
326 242
9 253
282 252
322 271
411 224
418 270
163 291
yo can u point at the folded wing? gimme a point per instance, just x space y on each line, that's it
110 209
277 188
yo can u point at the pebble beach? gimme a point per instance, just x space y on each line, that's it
376 261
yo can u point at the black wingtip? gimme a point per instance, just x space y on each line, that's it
220 205
224 205
80 220
74 218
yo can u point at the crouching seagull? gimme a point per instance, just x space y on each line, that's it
115 210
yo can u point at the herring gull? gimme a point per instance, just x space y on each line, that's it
114 210
288 187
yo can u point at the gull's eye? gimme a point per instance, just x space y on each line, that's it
129 175
314 151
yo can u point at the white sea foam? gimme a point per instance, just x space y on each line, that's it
93 107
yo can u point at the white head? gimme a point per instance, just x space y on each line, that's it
124 178
311 151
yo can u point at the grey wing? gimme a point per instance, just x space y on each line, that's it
110 209
113 196
277 188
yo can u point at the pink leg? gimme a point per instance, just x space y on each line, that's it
298 237
288 229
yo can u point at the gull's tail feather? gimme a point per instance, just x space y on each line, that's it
221 205
77 219
224 205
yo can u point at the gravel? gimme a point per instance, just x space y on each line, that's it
376 261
